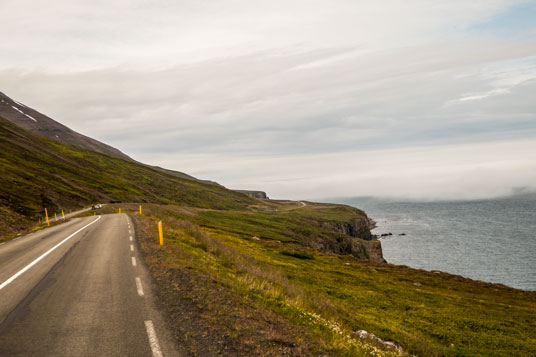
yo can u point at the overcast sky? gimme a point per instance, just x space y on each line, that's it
301 98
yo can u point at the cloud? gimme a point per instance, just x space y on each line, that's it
484 95
66 35
245 95
475 170
260 104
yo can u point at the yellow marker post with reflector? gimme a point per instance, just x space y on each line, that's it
119 209
55 216
63 215
160 233
140 210
46 215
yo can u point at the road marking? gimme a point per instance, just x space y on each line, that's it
139 287
130 238
27 267
153 340
5 242
131 248
133 261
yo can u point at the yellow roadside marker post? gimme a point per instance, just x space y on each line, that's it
160 233
119 209
63 215
46 215
55 216
140 210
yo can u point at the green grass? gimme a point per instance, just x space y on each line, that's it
428 313
319 226
282 224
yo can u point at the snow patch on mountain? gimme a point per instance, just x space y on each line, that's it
23 113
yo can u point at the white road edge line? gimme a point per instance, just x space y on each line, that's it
153 340
133 261
131 248
27 267
139 287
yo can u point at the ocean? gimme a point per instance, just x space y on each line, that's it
491 240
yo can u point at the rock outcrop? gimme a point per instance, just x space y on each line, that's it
362 249
355 238
254 194
358 227
388 345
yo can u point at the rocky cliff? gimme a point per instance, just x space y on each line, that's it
358 227
254 194
355 238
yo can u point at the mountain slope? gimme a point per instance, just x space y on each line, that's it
38 123
32 120
38 173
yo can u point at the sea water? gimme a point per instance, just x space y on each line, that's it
490 240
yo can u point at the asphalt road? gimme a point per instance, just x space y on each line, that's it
79 289
69 215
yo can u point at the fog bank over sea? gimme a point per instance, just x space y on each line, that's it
492 240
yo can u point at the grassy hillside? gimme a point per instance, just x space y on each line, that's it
331 296
38 173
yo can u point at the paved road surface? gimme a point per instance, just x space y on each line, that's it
79 289
69 215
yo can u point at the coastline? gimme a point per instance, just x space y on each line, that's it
372 223
484 240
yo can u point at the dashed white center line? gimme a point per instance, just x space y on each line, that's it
153 340
133 261
139 287
131 248
130 238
